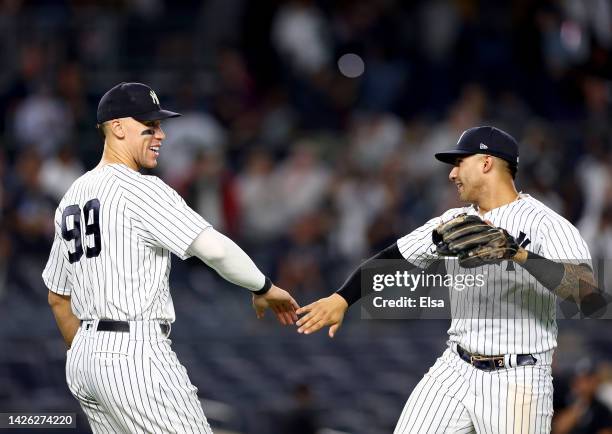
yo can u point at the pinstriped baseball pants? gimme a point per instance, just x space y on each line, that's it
132 382
455 397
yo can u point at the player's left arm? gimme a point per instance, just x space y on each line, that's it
572 282
57 277
476 242
569 277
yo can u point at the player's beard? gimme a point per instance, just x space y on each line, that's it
466 194
462 192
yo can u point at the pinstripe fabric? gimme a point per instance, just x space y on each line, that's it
455 397
132 382
125 382
511 314
142 221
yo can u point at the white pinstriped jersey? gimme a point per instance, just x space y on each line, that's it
512 313
114 231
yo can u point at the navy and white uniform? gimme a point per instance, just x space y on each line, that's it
511 315
115 230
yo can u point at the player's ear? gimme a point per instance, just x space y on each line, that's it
116 128
487 163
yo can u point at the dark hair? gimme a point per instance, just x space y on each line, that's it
512 168
101 129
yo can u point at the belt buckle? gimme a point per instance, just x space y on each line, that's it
477 358
498 361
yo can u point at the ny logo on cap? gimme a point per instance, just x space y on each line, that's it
154 97
483 146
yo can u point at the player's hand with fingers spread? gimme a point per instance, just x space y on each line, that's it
279 301
328 311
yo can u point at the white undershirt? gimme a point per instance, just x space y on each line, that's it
228 259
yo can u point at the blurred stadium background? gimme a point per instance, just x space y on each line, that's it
308 137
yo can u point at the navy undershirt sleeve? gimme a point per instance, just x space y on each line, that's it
351 289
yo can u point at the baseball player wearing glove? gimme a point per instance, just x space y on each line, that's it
495 375
473 241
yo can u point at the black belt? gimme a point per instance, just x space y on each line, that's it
123 326
491 363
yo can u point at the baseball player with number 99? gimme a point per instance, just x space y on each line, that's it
108 270
495 374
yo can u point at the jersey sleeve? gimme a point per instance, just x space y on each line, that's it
417 247
165 216
560 241
57 274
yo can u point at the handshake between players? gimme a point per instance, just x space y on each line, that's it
109 266
473 242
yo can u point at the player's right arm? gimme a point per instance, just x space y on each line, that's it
416 248
329 311
58 278
67 322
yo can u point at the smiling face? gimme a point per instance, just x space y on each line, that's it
143 140
468 175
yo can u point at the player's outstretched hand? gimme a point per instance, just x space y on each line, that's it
280 302
328 311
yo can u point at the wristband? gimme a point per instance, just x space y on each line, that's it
266 287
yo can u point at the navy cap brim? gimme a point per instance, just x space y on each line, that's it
156 115
450 157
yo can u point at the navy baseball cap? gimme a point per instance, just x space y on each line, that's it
134 100
483 140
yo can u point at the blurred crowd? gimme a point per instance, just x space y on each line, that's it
583 399
308 168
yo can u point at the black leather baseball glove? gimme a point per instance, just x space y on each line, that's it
473 241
